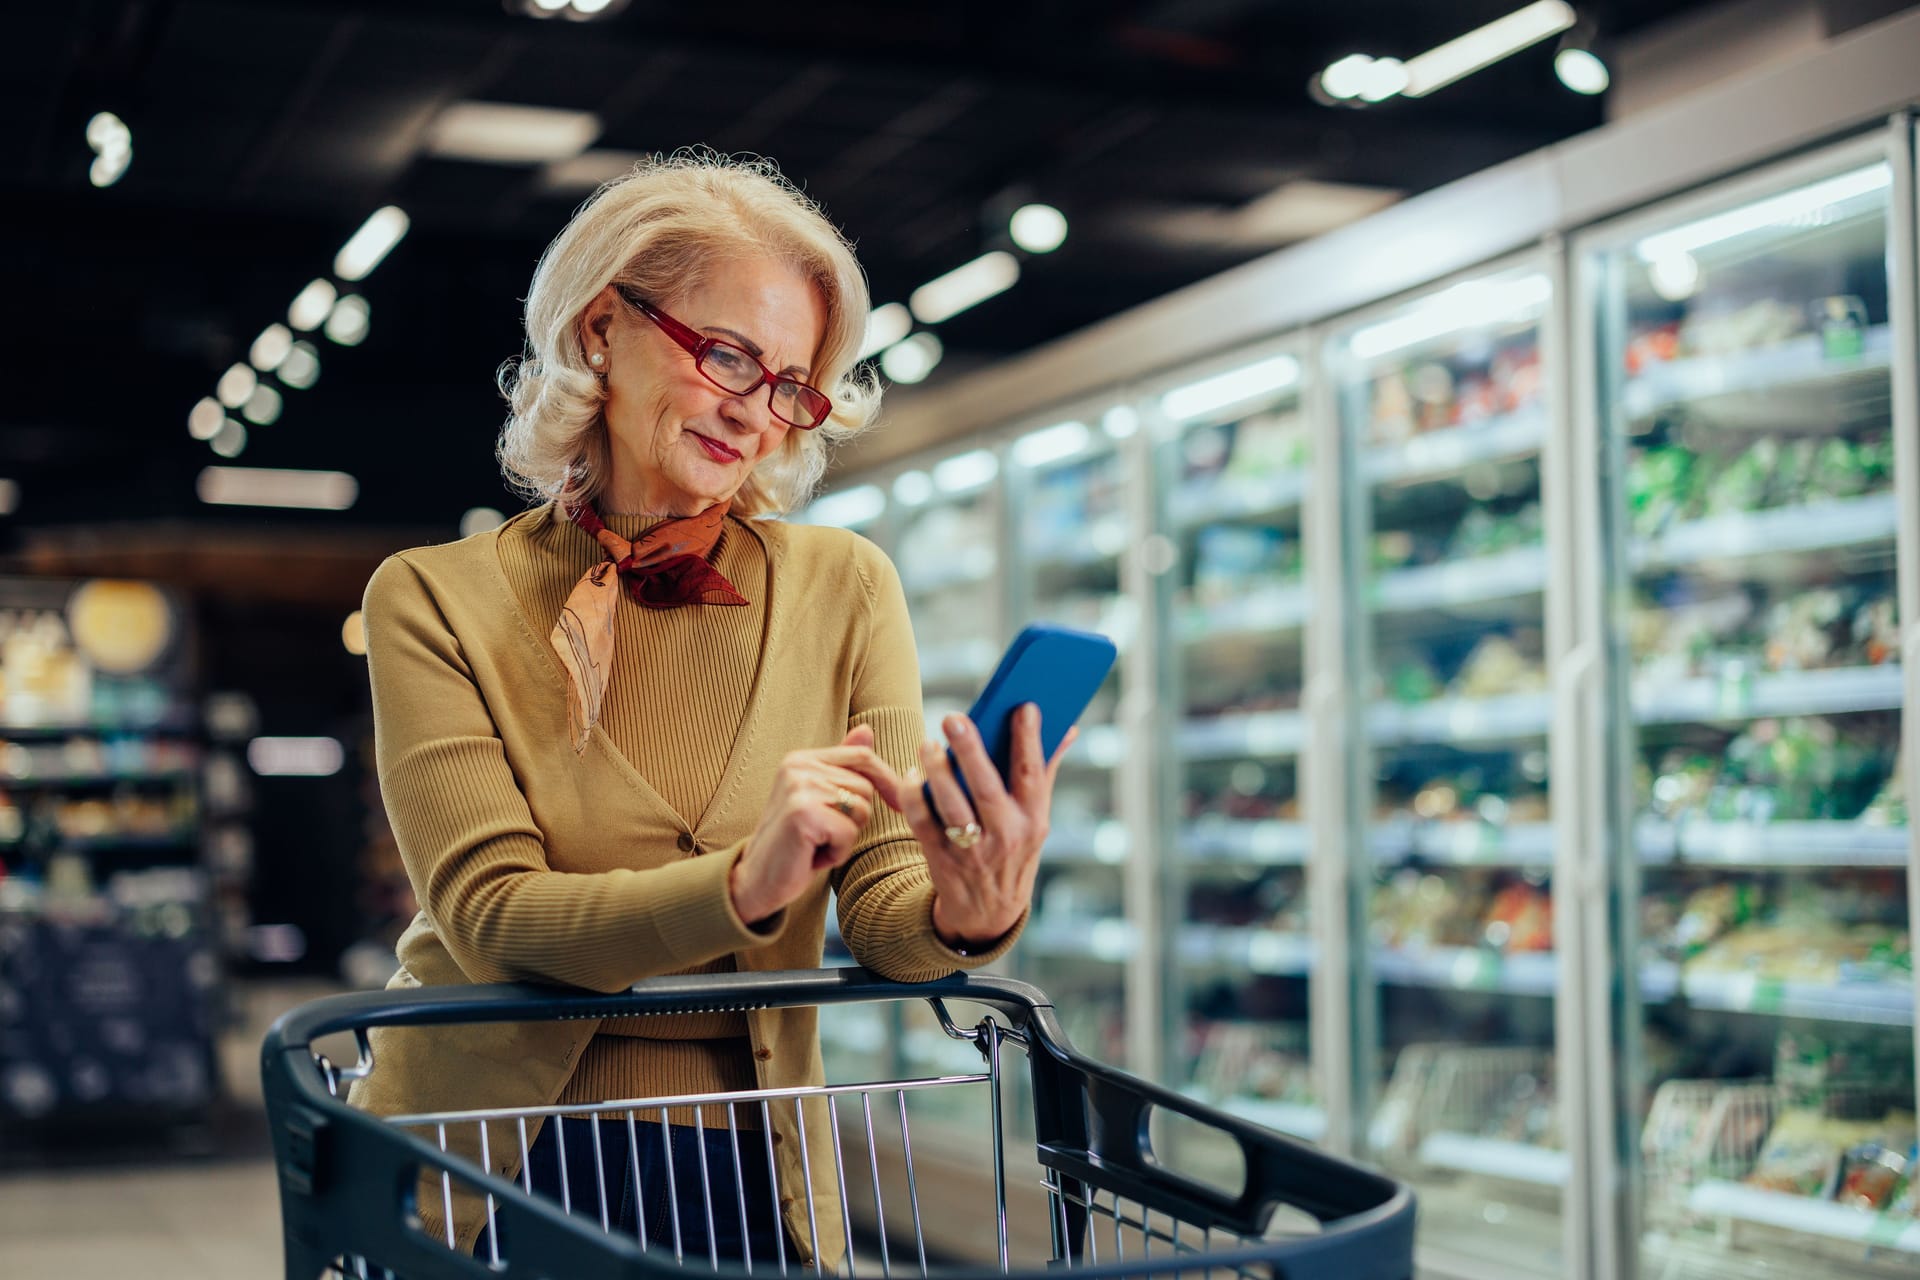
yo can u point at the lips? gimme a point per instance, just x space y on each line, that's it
715 450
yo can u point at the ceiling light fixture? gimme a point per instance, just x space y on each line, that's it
263 406
965 471
1038 228
1120 422
1263 377
347 322
296 757
479 520
112 145
886 325
270 487
964 286
507 133
230 440
911 488
375 239
1577 64
1476 304
311 305
203 423
301 368
236 384
1482 47
271 347
1056 443
911 359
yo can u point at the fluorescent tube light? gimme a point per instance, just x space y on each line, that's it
1051 444
268 487
1804 206
301 368
376 237
965 286
347 323
1484 46
911 488
849 508
507 133
311 306
965 471
1120 422
262 407
1263 377
886 325
235 385
1582 71
1473 305
203 422
296 757
230 440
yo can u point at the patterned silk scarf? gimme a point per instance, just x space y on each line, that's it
664 568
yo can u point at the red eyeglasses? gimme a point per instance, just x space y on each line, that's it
738 371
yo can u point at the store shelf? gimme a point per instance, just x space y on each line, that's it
1261 610
1103 843
1231 737
957 662
1756 385
1463 844
1507 575
1099 543
1099 746
967 565
1244 949
1468 969
1296 1119
101 844
1263 844
1774 844
173 724
1107 939
1495 1158
1443 453
1498 719
1880 1003
1198 504
1778 1209
1815 526
1742 695
37 781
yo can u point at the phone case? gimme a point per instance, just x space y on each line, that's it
1058 668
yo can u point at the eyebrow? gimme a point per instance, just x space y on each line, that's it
753 349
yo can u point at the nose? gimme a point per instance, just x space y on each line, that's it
752 412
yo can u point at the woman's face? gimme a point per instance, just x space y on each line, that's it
679 443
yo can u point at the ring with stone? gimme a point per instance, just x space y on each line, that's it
844 802
964 837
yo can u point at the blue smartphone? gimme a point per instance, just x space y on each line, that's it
1057 668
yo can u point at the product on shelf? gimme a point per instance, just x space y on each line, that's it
1888 808
1805 1150
1791 769
1230 559
1672 482
1414 910
1498 666
1253 1060
1063 504
1520 918
1433 395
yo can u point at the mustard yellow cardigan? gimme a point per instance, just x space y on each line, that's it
534 864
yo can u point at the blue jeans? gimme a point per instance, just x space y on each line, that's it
657 1197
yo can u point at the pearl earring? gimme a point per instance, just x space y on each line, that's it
598 358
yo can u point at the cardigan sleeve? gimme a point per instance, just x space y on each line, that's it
884 891
473 850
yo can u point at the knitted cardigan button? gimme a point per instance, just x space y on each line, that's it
686 842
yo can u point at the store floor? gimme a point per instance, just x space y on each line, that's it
200 1205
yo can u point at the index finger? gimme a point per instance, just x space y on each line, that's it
1028 763
867 763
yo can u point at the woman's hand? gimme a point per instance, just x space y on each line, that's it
820 803
981 890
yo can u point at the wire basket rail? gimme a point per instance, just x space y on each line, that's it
352 1184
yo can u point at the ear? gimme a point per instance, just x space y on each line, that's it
596 322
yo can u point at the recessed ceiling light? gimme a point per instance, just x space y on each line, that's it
347 322
311 305
911 359
263 406
375 239
965 286
886 325
236 384
508 133
1038 228
203 423
301 368
271 347
268 487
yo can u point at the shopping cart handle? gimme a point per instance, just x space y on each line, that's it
678 993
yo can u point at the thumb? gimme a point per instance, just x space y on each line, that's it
861 735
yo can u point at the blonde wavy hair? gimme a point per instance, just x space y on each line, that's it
658 230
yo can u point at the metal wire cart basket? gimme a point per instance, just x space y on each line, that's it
1115 1202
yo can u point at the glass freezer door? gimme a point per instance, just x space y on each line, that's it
1443 415
1745 354
1231 463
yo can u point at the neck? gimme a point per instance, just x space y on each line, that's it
630 491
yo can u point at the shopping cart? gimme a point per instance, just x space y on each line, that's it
351 1184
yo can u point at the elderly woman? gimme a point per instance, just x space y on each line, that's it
644 728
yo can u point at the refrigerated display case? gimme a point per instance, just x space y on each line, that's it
1231 464
1746 366
1442 413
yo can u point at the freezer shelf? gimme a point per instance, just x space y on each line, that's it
1196 504
1437 454
1259 611
1506 575
1774 844
1461 720
1717 1199
1730 386
1495 1158
1741 695
1815 526
1233 737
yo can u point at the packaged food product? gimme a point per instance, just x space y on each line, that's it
1871 1175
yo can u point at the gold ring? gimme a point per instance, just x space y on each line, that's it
844 802
964 837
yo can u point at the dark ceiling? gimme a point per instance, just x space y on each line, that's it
264 133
